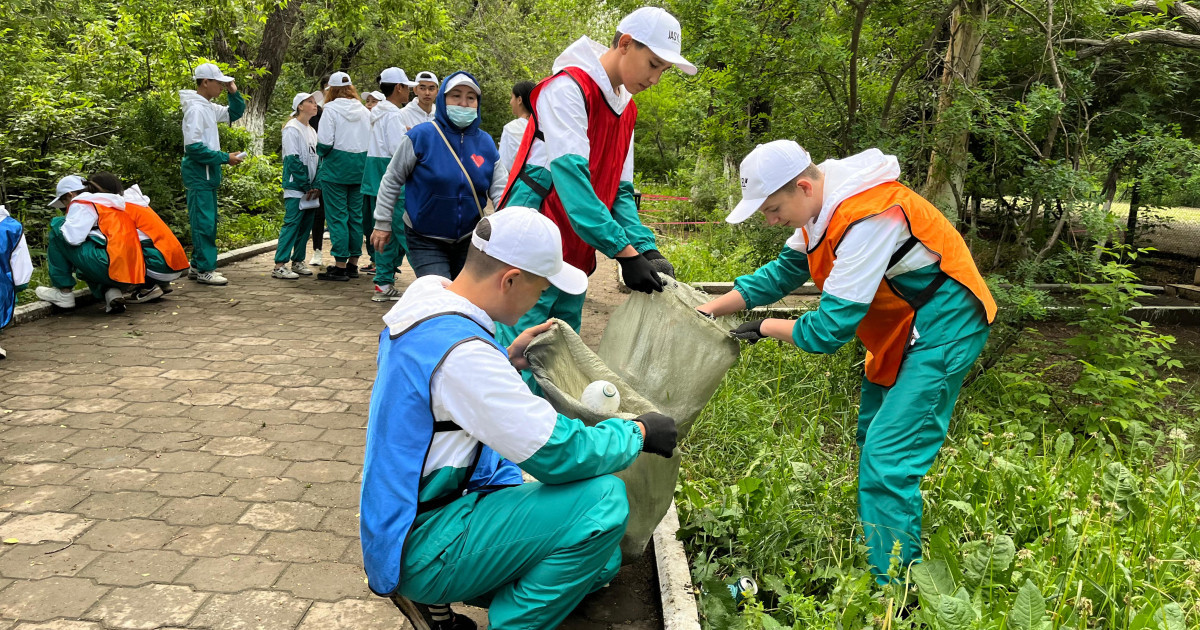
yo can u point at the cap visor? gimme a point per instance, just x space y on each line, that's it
684 65
410 83
570 280
57 203
744 209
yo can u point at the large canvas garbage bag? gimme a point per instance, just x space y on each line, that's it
663 356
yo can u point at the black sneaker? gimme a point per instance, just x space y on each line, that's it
333 273
424 617
351 271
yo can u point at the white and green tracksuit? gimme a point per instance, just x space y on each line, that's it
299 176
342 141
387 127
201 168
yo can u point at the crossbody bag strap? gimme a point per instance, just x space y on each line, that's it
470 185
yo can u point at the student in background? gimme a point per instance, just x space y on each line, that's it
372 99
387 127
424 107
16 268
299 188
342 146
202 160
163 254
318 224
522 109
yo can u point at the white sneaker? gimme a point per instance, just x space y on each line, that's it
385 293
3 354
57 297
114 301
316 258
144 295
210 277
300 268
283 273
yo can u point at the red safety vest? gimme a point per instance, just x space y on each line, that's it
164 239
609 135
886 330
125 262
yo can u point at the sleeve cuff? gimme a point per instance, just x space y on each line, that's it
383 226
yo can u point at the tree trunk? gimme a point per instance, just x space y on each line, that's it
860 14
1131 222
1110 186
277 34
948 163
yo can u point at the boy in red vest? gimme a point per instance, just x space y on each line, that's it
892 269
575 163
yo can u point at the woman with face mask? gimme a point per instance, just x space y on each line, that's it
447 170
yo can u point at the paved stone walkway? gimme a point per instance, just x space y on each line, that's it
194 463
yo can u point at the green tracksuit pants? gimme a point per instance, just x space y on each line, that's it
202 215
88 261
553 303
900 431
530 553
157 269
293 236
368 224
389 259
343 217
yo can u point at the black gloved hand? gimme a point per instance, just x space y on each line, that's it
708 315
750 332
660 263
661 434
639 274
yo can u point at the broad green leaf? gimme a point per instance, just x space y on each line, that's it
985 560
955 614
1171 617
1028 609
933 582
1063 445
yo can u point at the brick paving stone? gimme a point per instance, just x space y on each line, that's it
163 423
135 568
181 461
36 528
338 421
283 516
289 433
108 457
93 405
272 417
351 455
321 406
41 498
251 610
326 581
188 375
261 402
208 386
266 489
322 471
39 474
131 534
340 494
250 466
43 600
303 546
33 376
57 624
104 437
306 393
252 389
189 484
225 428
34 416
201 511
360 614
345 437
32 402
147 607
215 540
282 369
206 399
305 451
43 433
237 446
34 453
170 441
118 505
116 479
230 574
34 562
343 521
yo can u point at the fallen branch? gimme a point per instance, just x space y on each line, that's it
1156 36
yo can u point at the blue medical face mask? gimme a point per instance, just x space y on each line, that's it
461 116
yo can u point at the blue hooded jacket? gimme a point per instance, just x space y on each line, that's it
438 200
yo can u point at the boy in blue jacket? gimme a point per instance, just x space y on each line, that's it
15 267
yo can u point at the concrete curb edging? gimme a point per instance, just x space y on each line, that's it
674 576
37 310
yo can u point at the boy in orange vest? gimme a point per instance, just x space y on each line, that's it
892 269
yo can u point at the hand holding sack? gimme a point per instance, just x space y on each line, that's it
639 274
750 331
659 262
661 434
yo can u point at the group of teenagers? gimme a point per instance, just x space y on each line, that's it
455 416
453 419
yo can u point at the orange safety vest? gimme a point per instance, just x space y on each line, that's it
125 262
164 239
887 328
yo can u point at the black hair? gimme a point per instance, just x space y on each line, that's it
522 90
104 182
388 88
325 81
617 40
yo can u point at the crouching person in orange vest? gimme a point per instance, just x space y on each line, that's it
95 241
161 250
892 269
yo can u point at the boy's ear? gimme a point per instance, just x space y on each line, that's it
624 43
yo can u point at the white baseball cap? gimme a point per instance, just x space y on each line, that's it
395 75
210 71
339 79
768 168
68 184
375 95
426 76
300 98
461 79
659 31
527 240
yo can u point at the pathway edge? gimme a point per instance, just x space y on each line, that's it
674 576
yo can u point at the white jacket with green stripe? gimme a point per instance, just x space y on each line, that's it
387 127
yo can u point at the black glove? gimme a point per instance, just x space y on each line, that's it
639 274
751 331
661 264
660 434
708 315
